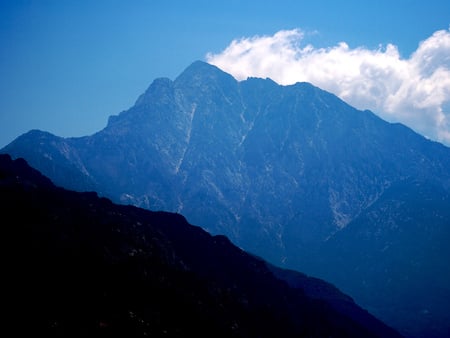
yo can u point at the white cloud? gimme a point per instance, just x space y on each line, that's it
414 91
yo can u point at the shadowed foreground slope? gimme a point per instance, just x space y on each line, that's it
79 265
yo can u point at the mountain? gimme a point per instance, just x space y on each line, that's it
79 265
290 173
401 242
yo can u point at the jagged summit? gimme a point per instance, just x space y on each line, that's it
200 78
201 69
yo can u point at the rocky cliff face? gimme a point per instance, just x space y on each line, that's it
280 170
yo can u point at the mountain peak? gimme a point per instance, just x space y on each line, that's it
201 72
201 67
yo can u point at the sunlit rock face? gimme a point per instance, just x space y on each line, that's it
291 173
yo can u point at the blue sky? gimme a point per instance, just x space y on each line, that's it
65 66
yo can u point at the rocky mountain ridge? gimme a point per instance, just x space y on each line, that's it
281 170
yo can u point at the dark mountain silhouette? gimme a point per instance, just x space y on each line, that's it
290 173
80 266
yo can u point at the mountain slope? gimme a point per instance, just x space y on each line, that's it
402 246
280 170
79 265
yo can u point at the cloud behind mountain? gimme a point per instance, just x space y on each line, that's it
413 90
